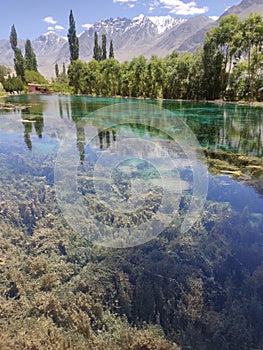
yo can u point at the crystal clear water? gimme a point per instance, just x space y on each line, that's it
132 158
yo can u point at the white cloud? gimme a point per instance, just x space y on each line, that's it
58 27
179 7
49 20
86 26
50 28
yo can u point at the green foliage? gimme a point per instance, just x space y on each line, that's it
212 63
104 47
62 88
93 78
32 76
13 38
73 39
4 71
76 74
61 84
110 77
56 70
111 54
226 45
62 78
30 57
12 84
177 76
19 64
96 49
18 59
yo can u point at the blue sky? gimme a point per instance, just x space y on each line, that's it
33 17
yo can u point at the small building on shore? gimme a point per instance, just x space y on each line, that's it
38 88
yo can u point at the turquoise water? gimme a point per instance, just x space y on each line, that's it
33 128
120 172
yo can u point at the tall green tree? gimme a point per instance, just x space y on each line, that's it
30 57
56 70
96 49
93 78
212 60
104 47
252 32
77 74
13 38
111 54
155 77
18 59
73 39
110 73
19 64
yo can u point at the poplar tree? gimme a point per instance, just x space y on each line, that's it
73 39
111 54
13 38
104 47
18 59
96 49
30 57
56 70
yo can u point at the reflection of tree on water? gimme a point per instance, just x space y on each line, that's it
81 142
29 118
64 107
105 138
239 130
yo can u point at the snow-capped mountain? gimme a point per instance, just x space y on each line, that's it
164 23
112 26
141 35
50 38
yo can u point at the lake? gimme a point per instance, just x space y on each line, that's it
127 173
34 127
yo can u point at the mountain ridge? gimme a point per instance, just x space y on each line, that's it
141 35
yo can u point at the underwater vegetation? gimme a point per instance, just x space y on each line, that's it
197 290
202 289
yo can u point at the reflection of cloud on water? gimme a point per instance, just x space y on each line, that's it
106 139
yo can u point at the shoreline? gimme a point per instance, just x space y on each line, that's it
217 102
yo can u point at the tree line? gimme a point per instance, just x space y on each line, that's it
228 66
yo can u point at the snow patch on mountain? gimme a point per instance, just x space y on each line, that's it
164 23
139 22
50 38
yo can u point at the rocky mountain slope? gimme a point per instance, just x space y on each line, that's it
245 8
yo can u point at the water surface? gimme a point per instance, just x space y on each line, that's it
32 129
